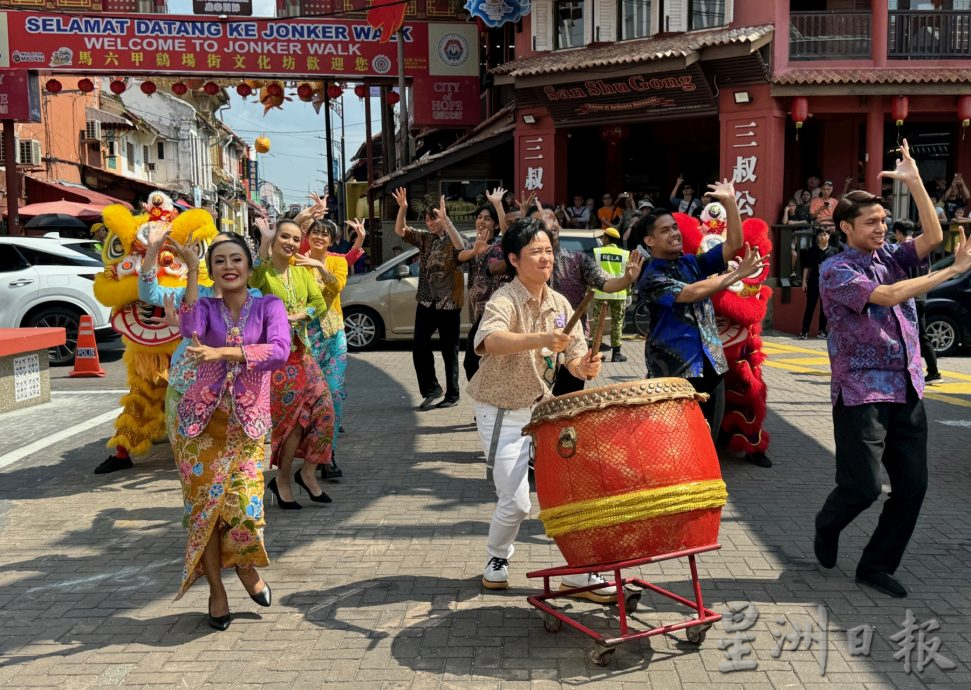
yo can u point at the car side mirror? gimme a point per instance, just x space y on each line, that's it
402 271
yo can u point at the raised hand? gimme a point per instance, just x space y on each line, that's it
589 365
200 352
304 260
188 252
442 211
171 315
723 192
752 263
634 265
495 196
962 253
526 202
263 225
157 234
401 196
318 207
906 169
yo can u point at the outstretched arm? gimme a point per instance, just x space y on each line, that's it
906 171
724 193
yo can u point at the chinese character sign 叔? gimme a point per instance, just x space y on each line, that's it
745 146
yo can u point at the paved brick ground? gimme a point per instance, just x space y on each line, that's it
380 589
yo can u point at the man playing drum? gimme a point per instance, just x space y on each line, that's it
522 344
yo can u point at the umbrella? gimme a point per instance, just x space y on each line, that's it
73 209
50 221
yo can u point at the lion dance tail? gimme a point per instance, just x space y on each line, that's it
142 421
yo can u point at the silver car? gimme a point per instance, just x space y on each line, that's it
380 305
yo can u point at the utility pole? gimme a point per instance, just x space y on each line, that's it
403 103
13 181
330 146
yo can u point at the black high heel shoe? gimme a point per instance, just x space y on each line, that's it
264 597
285 505
220 623
322 497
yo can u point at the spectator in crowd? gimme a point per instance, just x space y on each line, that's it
594 222
821 208
903 231
794 212
956 196
812 186
396 250
440 296
687 202
578 215
812 259
937 188
609 214
626 204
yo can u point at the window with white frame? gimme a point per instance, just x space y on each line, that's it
705 14
569 24
635 19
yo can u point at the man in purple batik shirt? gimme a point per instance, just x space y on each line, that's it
878 382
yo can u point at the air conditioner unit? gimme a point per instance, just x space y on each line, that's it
150 167
92 130
29 150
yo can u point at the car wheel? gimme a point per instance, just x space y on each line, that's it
363 328
58 317
943 334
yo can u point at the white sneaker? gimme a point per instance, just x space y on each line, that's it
602 595
496 574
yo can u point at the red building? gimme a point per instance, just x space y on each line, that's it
617 96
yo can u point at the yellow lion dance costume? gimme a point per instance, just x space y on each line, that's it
148 345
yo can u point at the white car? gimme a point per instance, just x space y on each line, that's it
49 282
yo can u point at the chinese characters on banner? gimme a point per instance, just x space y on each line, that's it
745 149
217 7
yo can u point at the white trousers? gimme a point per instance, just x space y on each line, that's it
507 451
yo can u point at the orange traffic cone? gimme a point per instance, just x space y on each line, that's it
86 362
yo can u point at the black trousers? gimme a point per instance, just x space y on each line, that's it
471 362
894 434
566 382
446 322
712 383
926 350
812 298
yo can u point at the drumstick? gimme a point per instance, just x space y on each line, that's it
598 334
580 311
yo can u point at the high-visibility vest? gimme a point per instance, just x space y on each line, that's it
612 259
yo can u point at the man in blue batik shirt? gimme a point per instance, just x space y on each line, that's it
684 338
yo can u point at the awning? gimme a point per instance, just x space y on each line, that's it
680 49
107 119
39 191
498 129
67 208
128 187
870 82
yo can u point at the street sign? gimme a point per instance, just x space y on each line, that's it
243 8
19 96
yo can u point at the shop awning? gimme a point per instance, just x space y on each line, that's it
676 50
872 82
108 119
40 191
127 187
498 129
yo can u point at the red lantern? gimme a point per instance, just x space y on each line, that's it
800 112
85 85
392 97
274 90
334 91
179 89
244 89
211 87
964 112
614 134
118 87
360 91
148 88
53 85
305 92
899 108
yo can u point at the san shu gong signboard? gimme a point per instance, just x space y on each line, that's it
630 98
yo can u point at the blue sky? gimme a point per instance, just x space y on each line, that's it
297 158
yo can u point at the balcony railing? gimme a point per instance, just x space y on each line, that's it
922 35
829 36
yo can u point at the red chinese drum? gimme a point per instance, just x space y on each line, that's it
627 471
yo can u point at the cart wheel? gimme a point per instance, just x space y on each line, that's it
696 635
601 656
631 601
551 622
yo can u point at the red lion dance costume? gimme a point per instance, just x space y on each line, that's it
740 311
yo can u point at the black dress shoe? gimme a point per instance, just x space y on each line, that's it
285 505
331 472
882 582
220 623
826 549
760 459
448 402
264 597
322 497
113 464
429 401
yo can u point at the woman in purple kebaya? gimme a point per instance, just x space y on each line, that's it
237 342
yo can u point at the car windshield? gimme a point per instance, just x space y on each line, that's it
579 244
72 257
89 248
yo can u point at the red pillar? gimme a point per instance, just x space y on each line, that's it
879 28
874 144
540 157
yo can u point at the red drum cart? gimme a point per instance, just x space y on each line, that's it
627 475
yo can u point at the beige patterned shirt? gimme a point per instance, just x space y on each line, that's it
521 380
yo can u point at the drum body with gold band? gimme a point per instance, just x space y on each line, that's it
627 471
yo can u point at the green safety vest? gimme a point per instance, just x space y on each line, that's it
612 259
